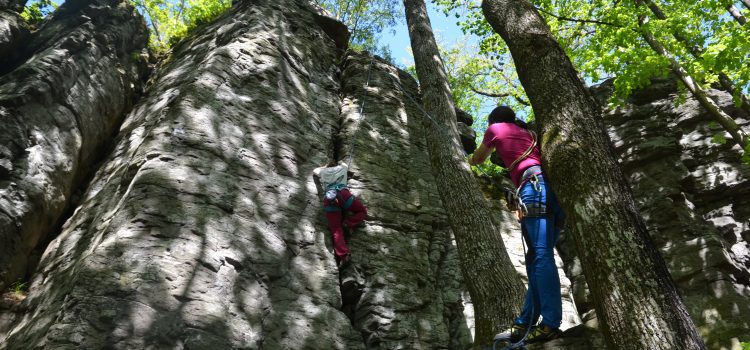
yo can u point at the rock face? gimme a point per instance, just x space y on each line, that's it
13 5
58 110
695 197
13 31
204 229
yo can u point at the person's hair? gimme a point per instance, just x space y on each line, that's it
505 114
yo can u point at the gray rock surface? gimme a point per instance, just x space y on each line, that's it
204 228
694 194
402 290
58 110
13 32
12 5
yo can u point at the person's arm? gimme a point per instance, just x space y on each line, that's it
480 155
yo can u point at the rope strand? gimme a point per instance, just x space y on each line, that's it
361 114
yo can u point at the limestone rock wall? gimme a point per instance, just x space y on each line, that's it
204 229
58 109
695 196
13 32
402 290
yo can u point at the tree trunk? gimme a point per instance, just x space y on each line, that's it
495 288
635 297
718 115
697 52
735 12
746 3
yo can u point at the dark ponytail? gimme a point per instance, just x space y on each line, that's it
505 114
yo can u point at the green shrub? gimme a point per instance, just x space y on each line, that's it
36 10
170 21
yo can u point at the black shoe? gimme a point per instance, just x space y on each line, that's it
513 335
543 333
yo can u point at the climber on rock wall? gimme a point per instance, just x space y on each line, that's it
336 202
540 216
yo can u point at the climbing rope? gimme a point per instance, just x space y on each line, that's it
511 346
361 115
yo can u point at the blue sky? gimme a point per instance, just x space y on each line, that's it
445 28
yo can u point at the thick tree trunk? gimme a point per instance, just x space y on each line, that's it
633 291
735 12
716 112
57 111
697 52
495 288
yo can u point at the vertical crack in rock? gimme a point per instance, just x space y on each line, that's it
60 108
217 240
391 290
203 227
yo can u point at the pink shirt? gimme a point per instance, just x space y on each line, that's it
511 141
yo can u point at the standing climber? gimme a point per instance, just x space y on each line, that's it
336 201
540 218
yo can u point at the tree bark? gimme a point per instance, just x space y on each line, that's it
735 12
746 3
635 297
697 52
718 115
495 288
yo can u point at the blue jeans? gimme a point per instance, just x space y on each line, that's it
540 234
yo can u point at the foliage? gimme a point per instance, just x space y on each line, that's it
18 288
485 74
35 11
366 20
611 42
603 39
170 21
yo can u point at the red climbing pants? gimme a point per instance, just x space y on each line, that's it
335 209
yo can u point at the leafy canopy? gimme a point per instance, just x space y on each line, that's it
36 10
603 39
366 19
170 21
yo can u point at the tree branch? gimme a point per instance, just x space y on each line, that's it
495 95
577 20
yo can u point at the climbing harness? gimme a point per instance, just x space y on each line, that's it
515 198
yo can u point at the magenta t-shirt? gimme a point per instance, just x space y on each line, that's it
511 141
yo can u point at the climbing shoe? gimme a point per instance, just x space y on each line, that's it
513 335
543 333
